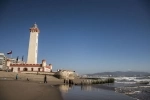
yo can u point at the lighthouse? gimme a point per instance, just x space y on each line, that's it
33 45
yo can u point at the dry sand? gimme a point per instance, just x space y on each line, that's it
34 89
24 90
32 77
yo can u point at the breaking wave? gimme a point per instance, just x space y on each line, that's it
136 87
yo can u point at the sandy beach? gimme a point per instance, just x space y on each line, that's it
23 90
34 89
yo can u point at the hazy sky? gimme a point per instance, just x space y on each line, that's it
83 35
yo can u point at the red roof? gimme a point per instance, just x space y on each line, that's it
26 65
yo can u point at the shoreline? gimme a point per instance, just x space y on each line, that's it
35 88
30 90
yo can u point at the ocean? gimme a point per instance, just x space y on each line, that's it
134 87
124 88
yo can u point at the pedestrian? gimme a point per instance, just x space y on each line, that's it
27 79
17 77
45 79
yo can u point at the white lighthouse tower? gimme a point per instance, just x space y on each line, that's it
33 45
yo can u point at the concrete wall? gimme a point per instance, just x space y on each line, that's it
47 70
65 74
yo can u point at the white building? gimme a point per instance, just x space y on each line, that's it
2 61
43 67
33 45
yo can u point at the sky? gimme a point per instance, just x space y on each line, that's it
87 36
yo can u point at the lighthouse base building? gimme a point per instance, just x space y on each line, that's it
29 67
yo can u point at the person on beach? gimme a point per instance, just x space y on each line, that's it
27 79
17 77
45 79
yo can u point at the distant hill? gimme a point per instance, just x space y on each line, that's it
121 73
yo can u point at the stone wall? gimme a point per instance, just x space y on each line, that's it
64 74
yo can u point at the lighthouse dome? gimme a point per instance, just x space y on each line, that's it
35 26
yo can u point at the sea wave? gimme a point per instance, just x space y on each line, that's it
139 92
125 82
132 80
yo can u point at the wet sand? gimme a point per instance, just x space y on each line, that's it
104 86
87 92
24 90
